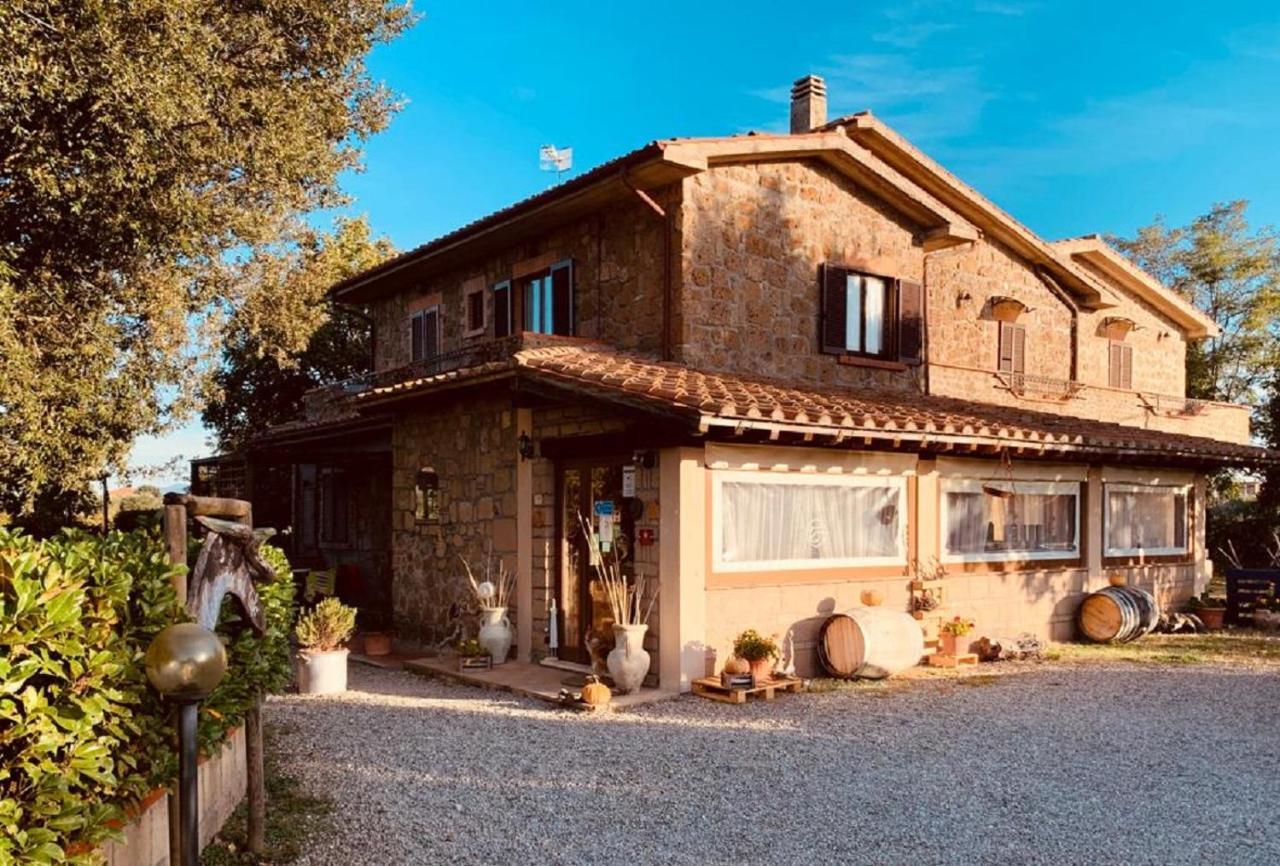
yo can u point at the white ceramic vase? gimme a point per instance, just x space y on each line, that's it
321 673
628 662
495 633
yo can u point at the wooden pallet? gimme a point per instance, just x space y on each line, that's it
945 660
710 688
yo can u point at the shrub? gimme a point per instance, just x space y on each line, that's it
754 647
326 626
82 735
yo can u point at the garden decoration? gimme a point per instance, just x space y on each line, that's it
953 633
759 651
628 662
492 594
472 656
322 633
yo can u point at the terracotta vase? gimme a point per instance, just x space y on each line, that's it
1212 617
955 644
495 633
377 643
762 670
628 662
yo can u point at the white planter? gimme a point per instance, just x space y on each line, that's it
321 673
495 633
628 662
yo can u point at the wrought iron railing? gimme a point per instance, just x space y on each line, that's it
1168 404
1025 384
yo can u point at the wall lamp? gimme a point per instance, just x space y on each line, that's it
525 446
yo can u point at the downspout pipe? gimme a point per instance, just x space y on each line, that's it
1061 294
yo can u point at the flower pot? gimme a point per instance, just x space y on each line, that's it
762 670
495 633
377 643
628 661
954 644
1212 617
321 673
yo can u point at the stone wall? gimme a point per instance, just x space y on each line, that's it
472 447
618 279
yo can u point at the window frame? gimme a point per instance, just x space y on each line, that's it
721 476
1124 366
1109 552
891 314
427 518
422 314
1017 334
472 329
326 513
975 485
547 298
510 308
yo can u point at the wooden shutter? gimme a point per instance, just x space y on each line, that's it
1126 367
562 299
415 341
502 310
431 333
834 309
1012 356
1120 365
910 322
1019 349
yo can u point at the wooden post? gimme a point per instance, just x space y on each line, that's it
175 540
257 778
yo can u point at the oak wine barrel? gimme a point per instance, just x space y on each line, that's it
1117 614
869 642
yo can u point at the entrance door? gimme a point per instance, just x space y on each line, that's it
592 489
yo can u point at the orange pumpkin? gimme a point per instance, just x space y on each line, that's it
596 693
872 597
736 666
1117 579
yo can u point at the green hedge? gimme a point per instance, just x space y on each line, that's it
82 735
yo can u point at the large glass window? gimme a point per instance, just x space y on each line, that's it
1145 519
548 300
764 521
1010 520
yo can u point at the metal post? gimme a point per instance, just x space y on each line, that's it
188 770
106 505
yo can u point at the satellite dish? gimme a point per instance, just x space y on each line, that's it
557 159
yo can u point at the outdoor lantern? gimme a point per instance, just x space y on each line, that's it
185 662
525 444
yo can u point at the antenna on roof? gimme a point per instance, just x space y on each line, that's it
552 158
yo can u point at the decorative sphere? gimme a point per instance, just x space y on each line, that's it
486 591
186 661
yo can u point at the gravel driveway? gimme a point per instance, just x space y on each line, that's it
1055 765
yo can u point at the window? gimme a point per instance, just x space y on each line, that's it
1120 365
424 329
426 495
334 503
475 312
1012 356
1145 519
766 521
502 309
873 316
991 521
548 300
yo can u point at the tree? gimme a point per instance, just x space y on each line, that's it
1230 272
149 152
277 351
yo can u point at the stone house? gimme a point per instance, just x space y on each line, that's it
786 368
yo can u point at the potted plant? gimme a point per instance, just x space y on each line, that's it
954 634
630 604
322 633
759 652
492 594
1266 612
1208 609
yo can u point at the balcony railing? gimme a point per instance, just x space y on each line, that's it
1025 384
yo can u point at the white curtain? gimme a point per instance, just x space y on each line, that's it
1152 520
979 522
763 522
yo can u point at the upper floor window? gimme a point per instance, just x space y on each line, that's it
502 309
474 307
1119 365
1012 349
1145 519
424 331
872 316
548 300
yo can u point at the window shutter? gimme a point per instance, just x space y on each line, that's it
502 310
1019 349
1004 361
910 322
1113 364
431 333
835 301
1126 367
562 299
415 342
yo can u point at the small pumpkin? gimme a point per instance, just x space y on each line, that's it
736 666
596 693
1117 579
872 597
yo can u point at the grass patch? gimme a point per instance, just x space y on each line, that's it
292 817
978 680
1225 647
831 685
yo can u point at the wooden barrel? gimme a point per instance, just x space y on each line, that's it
869 642
1117 613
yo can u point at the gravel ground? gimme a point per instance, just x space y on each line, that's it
1056 765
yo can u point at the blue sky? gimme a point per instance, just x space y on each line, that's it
1073 116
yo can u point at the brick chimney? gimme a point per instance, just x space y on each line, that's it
808 104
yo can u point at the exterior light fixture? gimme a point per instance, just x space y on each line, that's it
525 445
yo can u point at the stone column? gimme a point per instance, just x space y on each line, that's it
524 544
